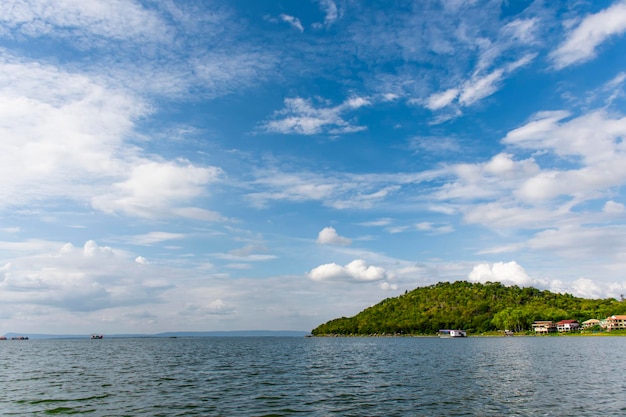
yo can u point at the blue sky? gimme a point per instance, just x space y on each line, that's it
230 165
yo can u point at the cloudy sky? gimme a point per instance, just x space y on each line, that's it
229 165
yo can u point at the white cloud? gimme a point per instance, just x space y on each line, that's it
300 117
430 227
293 21
215 307
486 180
58 127
248 253
79 279
577 242
480 87
439 100
330 8
510 215
390 97
355 271
509 273
75 19
64 137
582 41
155 237
141 260
155 189
340 191
329 236
584 287
385 286
611 207
595 138
385 221
522 30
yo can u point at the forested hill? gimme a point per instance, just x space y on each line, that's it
474 307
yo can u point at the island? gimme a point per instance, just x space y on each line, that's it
478 309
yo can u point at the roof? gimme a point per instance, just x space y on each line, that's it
567 321
591 321
620 317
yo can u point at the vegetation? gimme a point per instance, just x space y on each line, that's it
477 308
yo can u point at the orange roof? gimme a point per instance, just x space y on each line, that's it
621 317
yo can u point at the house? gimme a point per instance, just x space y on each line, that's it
590 323
567 325
543 326
616 323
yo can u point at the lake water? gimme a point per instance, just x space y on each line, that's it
274 376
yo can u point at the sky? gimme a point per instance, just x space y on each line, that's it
244 165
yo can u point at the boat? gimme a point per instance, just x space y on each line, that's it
444 333
97 336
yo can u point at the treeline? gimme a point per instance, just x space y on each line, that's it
474 307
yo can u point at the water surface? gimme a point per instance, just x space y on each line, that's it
286 376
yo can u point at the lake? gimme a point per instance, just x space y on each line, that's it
287 376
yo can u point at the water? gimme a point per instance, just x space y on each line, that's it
525 376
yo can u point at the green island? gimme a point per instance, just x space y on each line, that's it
488 308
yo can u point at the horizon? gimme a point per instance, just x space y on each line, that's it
274 165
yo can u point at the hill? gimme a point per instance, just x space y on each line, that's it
474 307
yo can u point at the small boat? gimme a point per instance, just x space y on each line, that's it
97 336
444 333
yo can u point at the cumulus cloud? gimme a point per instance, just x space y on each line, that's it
355 271
155 189
583 159
487 180
385 286
87 278
582 41
595 138
64 137
329 236
54 122
584 287
509 273
612 207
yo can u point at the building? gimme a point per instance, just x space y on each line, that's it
567 325
543 326
590 323
616 323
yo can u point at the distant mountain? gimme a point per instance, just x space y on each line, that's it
474 307
239 333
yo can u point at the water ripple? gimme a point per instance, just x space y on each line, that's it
314 377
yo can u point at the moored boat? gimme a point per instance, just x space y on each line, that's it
445 333
97 336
